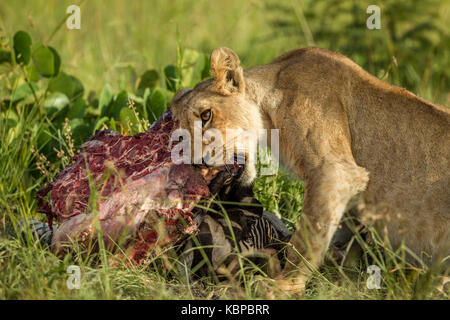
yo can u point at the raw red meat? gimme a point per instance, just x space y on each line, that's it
136 185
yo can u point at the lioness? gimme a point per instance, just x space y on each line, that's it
355 140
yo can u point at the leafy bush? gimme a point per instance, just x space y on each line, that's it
32 82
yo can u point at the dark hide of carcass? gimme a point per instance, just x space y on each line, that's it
247 230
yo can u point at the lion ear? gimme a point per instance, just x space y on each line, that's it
227 71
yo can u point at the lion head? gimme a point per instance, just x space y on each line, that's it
224 113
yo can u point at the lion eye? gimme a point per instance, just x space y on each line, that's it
205 116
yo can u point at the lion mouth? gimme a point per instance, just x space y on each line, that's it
231 170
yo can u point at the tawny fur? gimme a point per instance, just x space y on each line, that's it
348 135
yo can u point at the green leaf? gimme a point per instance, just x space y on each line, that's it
78 88
80 131
172 80
43 60
67 84
22 47
93 99
128 119
99 123
62 83
156 105
91 112
77 109
106 97
56 61
55 104
112 124
149 79
145 103
32 73
5 56
120 101
23 91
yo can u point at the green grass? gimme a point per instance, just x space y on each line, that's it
116 45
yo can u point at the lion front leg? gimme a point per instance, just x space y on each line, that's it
329 187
